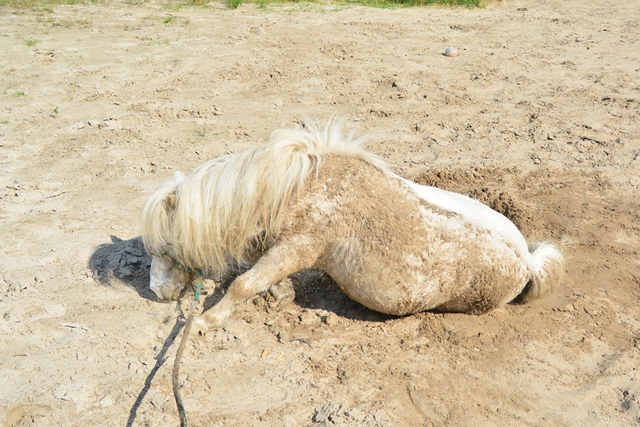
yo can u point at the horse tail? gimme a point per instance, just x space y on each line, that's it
546 266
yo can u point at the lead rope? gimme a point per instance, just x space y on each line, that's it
176 363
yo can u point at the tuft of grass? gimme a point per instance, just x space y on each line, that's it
168 19
68 23
232 4
19 93
263 4
410 3
41 3
136 107
32 43
202 133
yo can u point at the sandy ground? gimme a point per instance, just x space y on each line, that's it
538 116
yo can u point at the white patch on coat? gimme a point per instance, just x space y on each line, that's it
472 211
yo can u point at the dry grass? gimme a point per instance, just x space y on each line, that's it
233 4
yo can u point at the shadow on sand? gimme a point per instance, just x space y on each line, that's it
126 262
123 262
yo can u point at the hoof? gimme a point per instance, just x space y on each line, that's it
283 292
199 327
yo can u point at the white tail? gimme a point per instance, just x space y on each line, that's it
546 264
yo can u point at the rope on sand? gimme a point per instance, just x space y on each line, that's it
176 363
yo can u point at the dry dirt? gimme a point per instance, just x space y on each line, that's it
537 116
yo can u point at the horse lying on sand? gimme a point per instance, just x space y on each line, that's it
311 198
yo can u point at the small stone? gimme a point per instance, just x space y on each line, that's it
55 310
106 401
60 392
135 365
322 414
355 414
307 317
110 123
331 319
158 400
284 337
592 308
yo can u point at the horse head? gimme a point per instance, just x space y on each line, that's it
168 280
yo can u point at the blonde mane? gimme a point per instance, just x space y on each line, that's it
225 207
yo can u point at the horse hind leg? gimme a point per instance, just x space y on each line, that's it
279 262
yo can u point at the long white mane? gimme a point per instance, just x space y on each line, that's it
228 205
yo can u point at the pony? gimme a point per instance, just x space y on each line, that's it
313 198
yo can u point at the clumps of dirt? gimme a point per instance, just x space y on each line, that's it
487 185
459 180
331 413
502 202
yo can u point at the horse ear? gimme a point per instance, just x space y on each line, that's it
170 202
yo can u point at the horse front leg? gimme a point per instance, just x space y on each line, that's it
279 262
